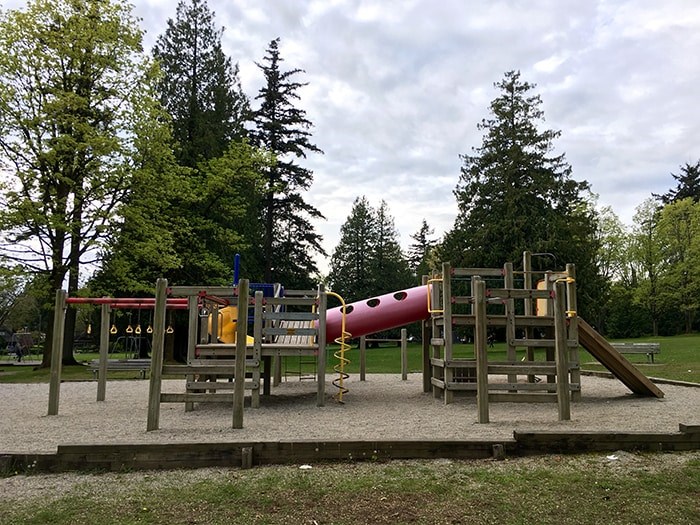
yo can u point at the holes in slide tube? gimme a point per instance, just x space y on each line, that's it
373 303
348 309
400 296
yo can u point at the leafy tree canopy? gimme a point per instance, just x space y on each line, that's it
74 83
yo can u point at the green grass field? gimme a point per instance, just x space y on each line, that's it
679 360
588 489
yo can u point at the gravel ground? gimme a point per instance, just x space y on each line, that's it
382 408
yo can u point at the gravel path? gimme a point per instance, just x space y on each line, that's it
383 407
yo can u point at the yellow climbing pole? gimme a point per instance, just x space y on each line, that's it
340 353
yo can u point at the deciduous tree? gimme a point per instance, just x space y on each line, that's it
73 84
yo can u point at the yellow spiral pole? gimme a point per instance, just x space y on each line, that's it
340 353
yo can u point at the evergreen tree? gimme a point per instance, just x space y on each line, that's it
389 266
200 87
419 252
351 269
368 260
282 129
688 185
515 195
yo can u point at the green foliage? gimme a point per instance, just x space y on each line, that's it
289 239
368 260
189 211
623 317
73 85
389 266
648 254
515 195
350 271
200 87
679 229
186 226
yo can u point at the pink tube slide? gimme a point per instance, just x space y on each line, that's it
379 313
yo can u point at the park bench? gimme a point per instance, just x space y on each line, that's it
649 349
122 365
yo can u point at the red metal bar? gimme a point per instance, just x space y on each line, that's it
147 301
145 306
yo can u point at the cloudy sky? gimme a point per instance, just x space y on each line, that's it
396 89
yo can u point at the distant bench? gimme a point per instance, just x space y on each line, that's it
649 349
122 365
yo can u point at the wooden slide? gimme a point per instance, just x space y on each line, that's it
614 361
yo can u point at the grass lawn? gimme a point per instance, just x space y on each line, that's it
587 489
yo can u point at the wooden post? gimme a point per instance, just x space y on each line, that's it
571 306
59 322
480 346
425 333
509 283
447 330
562 351
246 457
404 354
527 285
363 358
549 351
155 385
104 353
321 340
257 343
192 327
437 349
239 378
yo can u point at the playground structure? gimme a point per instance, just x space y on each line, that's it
219 349
541 317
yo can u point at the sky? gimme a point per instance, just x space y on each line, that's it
396 90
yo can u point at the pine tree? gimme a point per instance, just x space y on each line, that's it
200 87
390 269
419 252
688 185
282 129
368 260
515 195
351 268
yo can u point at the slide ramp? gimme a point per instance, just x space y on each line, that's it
614 361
